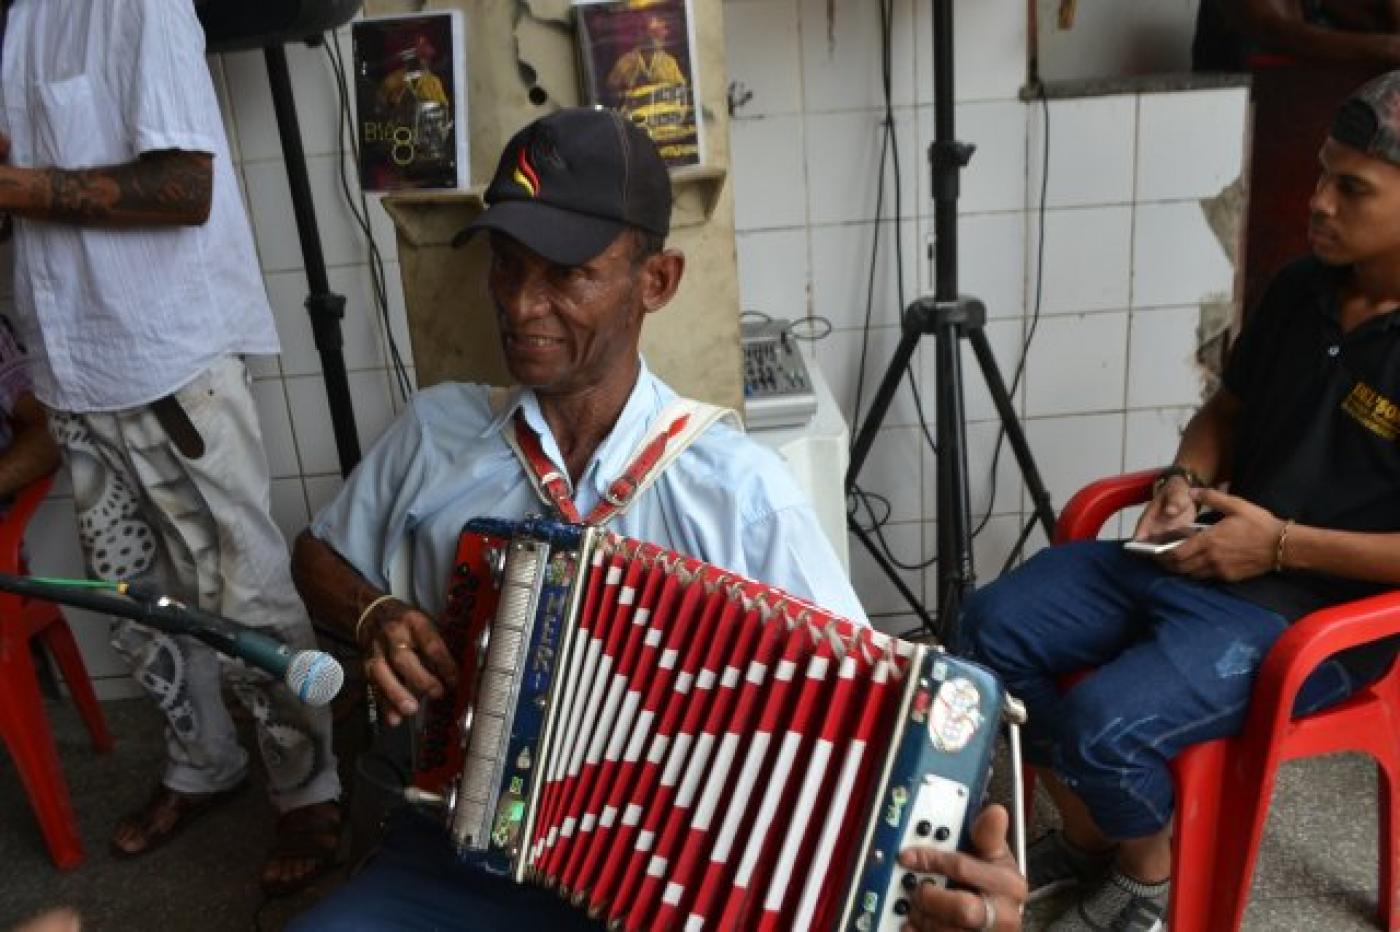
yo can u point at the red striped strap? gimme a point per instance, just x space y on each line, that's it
675 428
621 490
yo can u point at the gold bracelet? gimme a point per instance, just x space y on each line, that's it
364 616
1278 551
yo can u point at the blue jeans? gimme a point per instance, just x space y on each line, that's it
1174 664
415 882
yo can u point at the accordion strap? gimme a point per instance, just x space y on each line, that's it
678 425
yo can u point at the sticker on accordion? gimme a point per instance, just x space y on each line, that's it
956 715
510 811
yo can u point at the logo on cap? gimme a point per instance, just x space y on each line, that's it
524 174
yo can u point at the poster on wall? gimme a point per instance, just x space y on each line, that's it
410 99
637 57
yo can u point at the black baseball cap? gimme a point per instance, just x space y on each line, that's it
571 181
1369 120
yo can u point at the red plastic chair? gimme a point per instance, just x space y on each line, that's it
1223 787
23 722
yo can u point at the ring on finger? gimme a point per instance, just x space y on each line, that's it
402 645
991 918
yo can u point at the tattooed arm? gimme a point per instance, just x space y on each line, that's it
1281 25
167 188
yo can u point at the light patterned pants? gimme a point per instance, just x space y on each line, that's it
195 524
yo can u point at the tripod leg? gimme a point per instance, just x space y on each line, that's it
860 449
992 376
914 602
955 570
875 417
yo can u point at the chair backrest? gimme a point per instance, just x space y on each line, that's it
16 519
1090 508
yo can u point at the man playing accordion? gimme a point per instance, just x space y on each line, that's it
578 214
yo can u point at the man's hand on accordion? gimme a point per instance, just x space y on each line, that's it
405 659
991 890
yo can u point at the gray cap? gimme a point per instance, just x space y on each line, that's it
1369 119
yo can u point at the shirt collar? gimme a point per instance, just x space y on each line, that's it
514 398
614 454
1327 288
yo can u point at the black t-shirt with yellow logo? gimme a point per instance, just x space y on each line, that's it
1318 440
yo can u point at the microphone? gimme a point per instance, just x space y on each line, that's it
313 676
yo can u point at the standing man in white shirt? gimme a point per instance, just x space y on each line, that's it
137 290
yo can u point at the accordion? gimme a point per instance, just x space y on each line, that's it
668 745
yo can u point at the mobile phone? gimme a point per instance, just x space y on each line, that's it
1160 543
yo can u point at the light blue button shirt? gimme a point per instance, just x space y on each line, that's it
725 500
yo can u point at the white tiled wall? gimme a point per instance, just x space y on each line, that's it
290 389
1127 255
1127 259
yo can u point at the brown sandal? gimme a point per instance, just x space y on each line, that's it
309 834
165 815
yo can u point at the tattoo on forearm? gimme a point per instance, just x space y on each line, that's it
152 189
156 189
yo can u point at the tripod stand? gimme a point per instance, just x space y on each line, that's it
950 318
325 306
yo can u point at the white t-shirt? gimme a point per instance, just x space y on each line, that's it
114 318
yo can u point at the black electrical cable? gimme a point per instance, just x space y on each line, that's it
889 152
1035 312
360 211
810 329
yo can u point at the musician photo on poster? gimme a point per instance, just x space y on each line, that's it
409 87
636 57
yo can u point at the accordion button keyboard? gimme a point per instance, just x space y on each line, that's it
936 815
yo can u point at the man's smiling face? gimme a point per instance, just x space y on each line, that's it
564 328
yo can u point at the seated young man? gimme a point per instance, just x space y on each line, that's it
1306 431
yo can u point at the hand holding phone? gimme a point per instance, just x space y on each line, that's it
1155 544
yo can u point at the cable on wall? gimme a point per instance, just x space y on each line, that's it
359 209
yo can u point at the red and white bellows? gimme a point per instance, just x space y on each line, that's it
709 736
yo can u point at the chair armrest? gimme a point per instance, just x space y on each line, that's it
16 519
1305 645
1086 513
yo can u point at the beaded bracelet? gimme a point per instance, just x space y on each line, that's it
364 616
1170 473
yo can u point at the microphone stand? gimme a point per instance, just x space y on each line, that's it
313 676
139 609
949 317
231 26
145 607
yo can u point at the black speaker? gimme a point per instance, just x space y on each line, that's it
234 25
